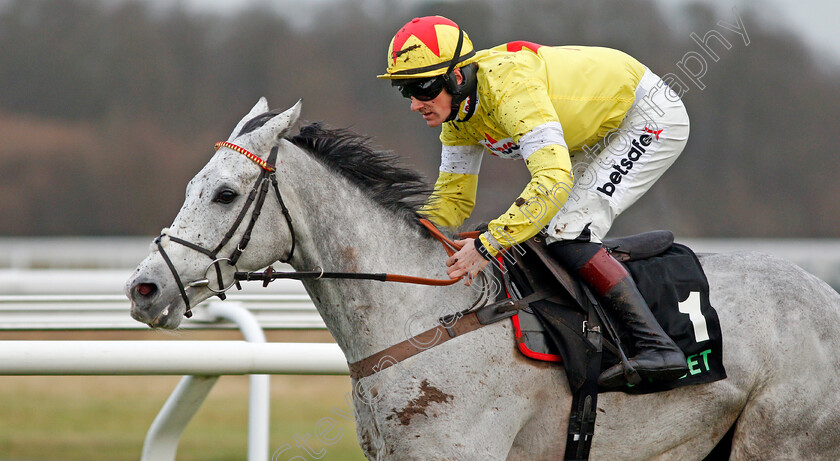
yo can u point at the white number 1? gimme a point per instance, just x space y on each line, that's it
691 306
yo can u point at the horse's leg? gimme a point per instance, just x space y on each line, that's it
543 436
784 423
684 423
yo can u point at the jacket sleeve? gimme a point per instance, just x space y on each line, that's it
453 198
525 111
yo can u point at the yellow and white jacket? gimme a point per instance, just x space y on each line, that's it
535 103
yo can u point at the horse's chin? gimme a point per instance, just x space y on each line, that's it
167 322
168 317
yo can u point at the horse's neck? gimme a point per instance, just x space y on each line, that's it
340 229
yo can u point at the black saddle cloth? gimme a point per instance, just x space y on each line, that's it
673 284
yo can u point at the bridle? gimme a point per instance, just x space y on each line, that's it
256 197
449 326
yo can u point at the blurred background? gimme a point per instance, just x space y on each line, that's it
109 107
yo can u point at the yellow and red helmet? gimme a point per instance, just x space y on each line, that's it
426 47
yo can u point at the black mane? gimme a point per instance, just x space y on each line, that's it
377 173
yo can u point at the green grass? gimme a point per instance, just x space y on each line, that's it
106 418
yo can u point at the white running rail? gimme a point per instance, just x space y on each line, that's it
285 307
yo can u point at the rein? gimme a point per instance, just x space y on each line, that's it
448 327
269 275
257 197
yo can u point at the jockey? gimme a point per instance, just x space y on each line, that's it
623 126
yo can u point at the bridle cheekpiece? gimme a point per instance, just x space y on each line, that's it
268 177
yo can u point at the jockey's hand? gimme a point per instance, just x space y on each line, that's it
467 262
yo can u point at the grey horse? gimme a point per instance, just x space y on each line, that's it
475 397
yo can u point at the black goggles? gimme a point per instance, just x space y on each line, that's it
423 90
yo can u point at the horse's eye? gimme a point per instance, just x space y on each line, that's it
225 196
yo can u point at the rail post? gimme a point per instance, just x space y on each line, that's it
161 442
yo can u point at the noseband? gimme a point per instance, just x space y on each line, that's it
256 197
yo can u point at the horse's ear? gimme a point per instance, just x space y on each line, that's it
267 136
283 123
260 107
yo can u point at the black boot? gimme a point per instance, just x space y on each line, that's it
657 356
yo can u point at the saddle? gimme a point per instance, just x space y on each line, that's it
536 270
557 318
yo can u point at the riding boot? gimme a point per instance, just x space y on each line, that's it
657 356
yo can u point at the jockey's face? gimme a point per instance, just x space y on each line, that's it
434 111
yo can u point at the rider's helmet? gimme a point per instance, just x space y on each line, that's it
425 47
422 57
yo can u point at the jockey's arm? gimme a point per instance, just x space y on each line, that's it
529 116
543 196
537 204
453 198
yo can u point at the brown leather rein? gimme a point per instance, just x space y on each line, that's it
257 196
449 326
451 248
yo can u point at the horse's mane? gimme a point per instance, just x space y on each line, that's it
377 173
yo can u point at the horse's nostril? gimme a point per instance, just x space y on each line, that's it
146 289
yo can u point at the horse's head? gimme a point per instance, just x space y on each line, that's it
197 256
